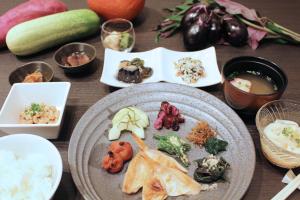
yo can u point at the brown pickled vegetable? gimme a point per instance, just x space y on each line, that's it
76 59
112 162
33 77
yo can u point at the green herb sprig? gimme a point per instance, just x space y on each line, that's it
34 109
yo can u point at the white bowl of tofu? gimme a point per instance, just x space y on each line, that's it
36 108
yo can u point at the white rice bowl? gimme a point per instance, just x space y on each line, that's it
28 171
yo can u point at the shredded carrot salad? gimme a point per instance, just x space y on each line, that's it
201 133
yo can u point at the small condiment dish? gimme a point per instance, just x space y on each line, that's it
246 102
23 95
27 144
18 75
268 113
62 53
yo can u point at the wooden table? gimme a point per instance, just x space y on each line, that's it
87 90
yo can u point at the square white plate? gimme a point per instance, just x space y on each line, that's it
162 61
22 95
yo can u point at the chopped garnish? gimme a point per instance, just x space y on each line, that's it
34 109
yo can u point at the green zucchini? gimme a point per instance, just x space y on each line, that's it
36 35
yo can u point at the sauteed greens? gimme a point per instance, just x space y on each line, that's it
210 169
174 145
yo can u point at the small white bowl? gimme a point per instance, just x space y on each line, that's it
22 95
24 144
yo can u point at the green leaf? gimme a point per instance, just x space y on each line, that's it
215 145
176 18
191 1
157 37
274 28
183 7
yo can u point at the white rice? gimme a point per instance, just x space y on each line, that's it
28 177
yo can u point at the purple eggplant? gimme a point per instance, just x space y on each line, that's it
195 37
234 31
215 29
195 13
195 24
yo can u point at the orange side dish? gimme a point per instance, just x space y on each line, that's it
201 133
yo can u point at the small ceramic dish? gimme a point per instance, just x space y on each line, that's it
246 102
62 53
23 145
283 110
18 75
162 61
23 95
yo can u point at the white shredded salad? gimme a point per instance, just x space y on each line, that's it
28 177
189 69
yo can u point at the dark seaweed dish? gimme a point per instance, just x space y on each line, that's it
211 169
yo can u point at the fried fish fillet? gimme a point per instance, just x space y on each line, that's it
136 175
159 176
154 190
173 180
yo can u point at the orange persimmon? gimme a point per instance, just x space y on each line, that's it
109 9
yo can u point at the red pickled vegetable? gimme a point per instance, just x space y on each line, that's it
124 149
112 162
168 117
27 11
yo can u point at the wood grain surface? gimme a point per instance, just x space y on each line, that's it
86 89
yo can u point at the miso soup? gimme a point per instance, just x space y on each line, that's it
253 82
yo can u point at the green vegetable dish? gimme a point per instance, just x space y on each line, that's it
215 145
211 169
174 145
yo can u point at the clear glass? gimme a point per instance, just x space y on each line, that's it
118 34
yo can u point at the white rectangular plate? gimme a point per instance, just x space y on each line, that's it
162 61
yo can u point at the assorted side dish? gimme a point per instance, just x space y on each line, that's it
133 71
190 70
119 41
162 172
165 169
39 113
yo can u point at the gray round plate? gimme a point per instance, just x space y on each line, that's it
89 140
